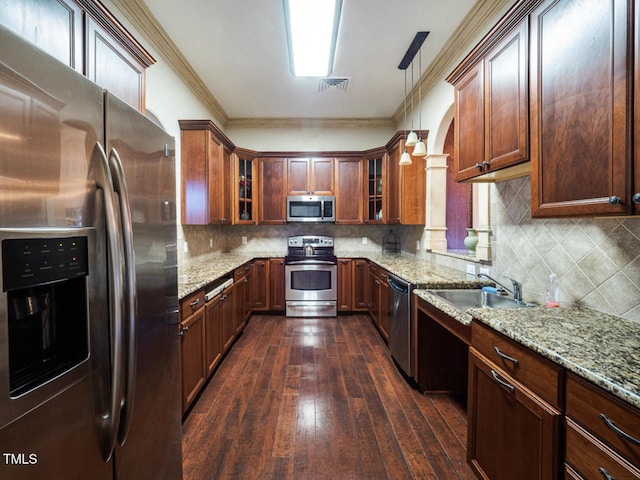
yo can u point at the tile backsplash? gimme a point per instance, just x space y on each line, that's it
597 261
273 238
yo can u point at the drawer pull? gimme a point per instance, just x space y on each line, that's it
194 303
620 433
605 474
506 357
501 382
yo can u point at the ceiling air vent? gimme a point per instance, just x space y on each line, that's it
336 83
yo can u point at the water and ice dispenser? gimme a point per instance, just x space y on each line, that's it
45 282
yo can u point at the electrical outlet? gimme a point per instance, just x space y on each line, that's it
211 243
365 240
185 247
418 245
485 271
471 269
244 240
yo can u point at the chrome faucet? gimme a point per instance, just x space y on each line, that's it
517 286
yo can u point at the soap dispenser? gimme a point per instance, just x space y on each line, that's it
552 295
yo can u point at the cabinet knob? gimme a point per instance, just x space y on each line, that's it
478 166
484 164
636 198
615 200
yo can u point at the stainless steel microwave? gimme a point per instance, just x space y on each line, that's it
311 208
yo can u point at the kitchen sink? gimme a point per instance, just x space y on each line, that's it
476 298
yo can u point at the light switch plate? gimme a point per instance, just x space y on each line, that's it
365 240
471 269
485 271
244 240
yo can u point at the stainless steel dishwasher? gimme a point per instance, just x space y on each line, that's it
400 336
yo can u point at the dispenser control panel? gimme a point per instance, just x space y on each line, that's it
35 261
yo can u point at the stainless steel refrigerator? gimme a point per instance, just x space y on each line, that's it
89 363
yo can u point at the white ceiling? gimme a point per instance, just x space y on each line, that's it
239 50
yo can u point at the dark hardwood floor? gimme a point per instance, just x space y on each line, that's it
319 399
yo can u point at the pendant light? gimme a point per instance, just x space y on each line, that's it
420 150
405 158
412 139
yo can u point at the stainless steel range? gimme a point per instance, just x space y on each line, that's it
311 270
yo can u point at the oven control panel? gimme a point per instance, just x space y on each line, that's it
311 240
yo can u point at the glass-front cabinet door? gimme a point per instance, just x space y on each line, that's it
375 190
246 209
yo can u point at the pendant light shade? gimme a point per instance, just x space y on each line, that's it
420 150
405 159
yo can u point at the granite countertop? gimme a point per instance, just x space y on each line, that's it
204 269
200 271
599 347
417 271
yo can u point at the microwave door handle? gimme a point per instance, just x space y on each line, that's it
120 187
111 420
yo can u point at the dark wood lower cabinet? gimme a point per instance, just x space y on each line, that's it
513 433
228 317
258 286
276 285
213 332
345 285
192 356
360 285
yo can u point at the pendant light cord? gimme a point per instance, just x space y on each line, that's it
405 104
412 96
420 92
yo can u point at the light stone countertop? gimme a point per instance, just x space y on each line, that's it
204 269
599 347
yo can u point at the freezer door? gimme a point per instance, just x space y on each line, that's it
51 121
151 427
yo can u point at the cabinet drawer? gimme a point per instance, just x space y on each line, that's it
240 272
191 303
524 365
592 407
592 459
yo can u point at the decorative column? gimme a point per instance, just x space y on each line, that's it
482 220
436 213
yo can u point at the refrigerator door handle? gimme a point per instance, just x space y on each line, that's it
120 187
111 420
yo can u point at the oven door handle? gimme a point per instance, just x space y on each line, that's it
313 303
311 262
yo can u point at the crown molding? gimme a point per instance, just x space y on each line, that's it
143 20
478 21
310 123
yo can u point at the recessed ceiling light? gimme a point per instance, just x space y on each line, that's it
312 31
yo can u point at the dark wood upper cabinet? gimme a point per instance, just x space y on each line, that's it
310 176
469 124
84 35
206 173
580 108
55 27
349 195
491 104
506 103
406 185
272 184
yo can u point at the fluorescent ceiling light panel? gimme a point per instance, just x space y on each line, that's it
312 30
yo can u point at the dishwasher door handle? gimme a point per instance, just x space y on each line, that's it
400 287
